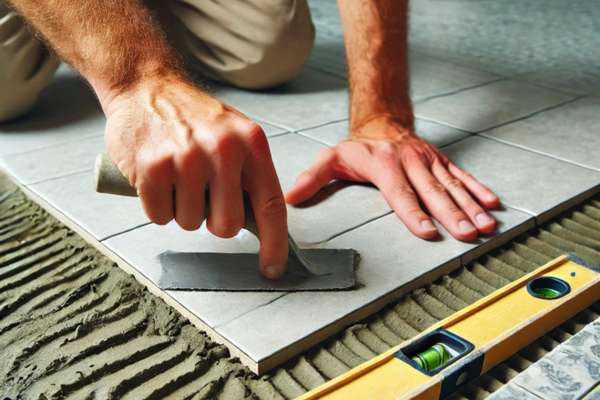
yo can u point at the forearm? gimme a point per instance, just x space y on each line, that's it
375 34
112 43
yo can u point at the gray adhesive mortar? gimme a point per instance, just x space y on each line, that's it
74 325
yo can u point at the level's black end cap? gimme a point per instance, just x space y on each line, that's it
583 263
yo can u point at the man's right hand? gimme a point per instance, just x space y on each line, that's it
168 136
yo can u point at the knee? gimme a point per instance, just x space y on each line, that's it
265 49
277 60
26 66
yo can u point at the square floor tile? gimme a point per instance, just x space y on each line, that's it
100 214
337 208
66 110
569 132
55 161
392 262
311 99
141 247
431 77
437 134
488 106
522 179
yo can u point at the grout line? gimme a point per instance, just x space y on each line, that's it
540 152
124 231
79 172
52 145
249 311
459 90
352 228
464 89
55 177
549 108
279 135
312 139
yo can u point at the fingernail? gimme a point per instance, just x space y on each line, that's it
483 219
427 225
274 271
465 226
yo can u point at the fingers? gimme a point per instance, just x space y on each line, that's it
438 201
480 191
155 189
226 216
484 222
268 204
190 191
313 179
400 196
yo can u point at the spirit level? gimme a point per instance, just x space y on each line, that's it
472 341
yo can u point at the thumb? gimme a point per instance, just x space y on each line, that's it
313 179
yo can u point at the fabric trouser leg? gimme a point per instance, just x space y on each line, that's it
251 44
26 65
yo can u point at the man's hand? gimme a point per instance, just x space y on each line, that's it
173 142
406 169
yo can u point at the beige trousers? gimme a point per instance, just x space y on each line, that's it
251 44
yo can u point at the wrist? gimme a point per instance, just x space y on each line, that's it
145 77
384 126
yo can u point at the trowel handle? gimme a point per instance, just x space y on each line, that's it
110 180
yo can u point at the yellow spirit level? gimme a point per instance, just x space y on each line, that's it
470 342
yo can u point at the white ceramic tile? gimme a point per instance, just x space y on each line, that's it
488 106
577 79
54 161
311 99
339 207
522 179
270 130
140 248
432 77
392 261
101 215
437 134
66 110
570 132
511 223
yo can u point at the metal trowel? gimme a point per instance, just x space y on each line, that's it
308 269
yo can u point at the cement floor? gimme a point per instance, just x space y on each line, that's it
494 84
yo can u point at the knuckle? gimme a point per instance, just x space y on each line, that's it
274 207
155 168
453 184
413 213
402 190
256 137
328 155
435 188
224 144
225 229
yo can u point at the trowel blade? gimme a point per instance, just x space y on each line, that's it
239 272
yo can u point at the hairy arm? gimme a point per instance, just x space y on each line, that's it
164 133
383 147
112 43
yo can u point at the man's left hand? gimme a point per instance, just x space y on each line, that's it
409 172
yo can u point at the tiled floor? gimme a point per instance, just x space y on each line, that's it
524 130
